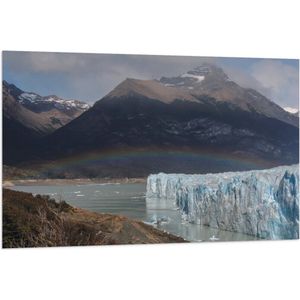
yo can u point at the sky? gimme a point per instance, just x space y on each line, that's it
89 77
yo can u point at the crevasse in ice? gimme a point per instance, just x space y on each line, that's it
263 203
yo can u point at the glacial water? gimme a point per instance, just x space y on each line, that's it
129 200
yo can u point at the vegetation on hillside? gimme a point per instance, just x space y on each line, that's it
38 221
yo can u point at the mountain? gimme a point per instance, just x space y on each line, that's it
150 89
211 80
21 129
206 80
51 111
197 122
17 113
24 125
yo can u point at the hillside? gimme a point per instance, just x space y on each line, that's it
37 221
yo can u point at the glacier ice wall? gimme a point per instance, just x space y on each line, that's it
262 203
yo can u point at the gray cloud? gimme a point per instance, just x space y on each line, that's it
91 76
245 79
280 80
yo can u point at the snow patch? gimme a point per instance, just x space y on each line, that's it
198 77
28 96
57 102
291 110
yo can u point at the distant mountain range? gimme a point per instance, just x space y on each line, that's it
50 112
200 121
28 116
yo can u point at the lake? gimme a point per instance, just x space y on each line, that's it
130 200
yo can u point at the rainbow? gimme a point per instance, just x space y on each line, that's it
120 156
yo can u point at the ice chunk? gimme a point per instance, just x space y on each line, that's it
159 220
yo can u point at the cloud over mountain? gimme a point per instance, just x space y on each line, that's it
90 76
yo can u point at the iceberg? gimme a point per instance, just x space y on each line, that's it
262 203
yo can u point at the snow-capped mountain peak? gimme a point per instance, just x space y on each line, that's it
42 114
40 103
188 79
194 79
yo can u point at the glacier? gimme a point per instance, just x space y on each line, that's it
261 203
